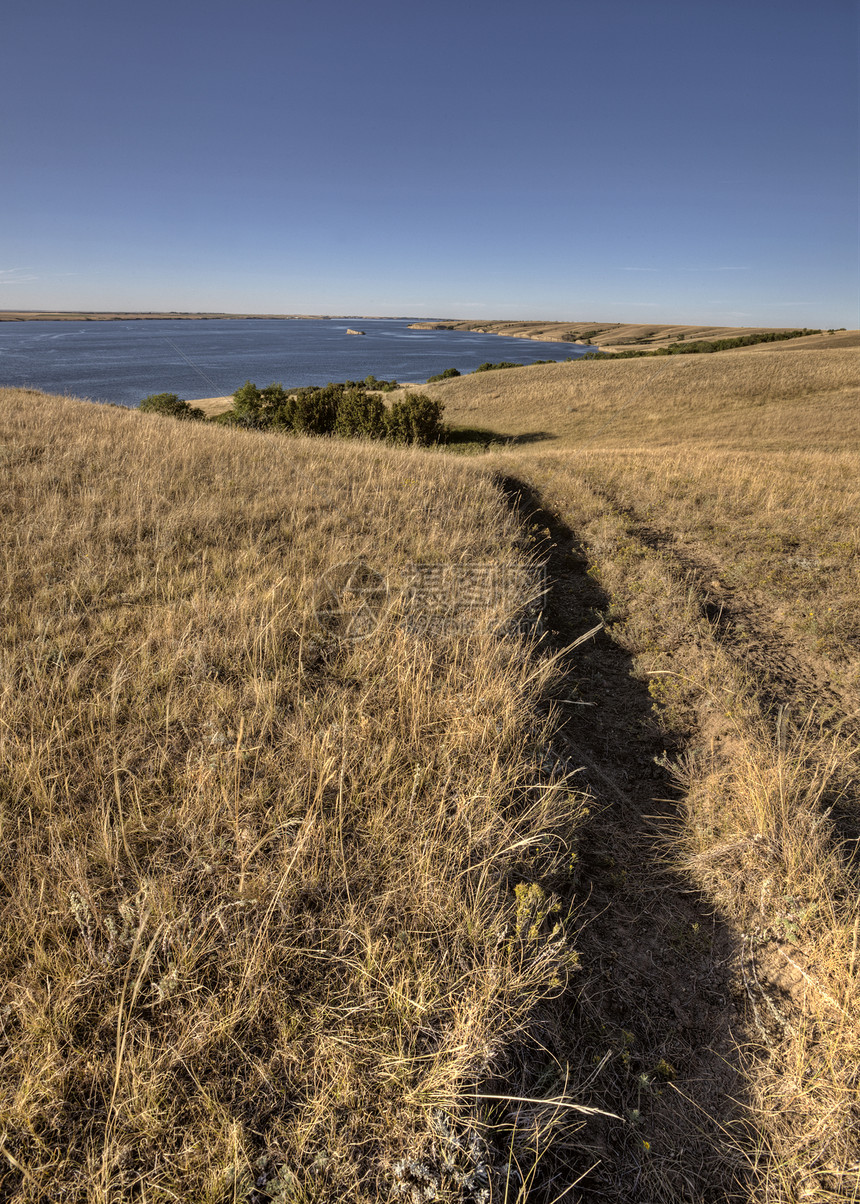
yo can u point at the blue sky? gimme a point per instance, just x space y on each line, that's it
691 162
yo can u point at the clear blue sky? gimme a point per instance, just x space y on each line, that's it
688 161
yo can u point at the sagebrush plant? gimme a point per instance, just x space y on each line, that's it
260 898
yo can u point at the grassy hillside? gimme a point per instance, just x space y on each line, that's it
329 875
736 399
709 515
284 872
620 336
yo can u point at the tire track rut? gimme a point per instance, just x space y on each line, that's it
658 1010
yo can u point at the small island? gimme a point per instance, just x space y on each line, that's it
349 330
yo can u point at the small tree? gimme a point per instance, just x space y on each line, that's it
315 411
171 405
415 419
248 405
361 415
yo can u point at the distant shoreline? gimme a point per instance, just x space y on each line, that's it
630 336
47 315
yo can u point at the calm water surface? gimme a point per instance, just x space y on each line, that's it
125 361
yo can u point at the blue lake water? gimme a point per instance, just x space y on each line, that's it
124 361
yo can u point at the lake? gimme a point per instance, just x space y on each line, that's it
124 361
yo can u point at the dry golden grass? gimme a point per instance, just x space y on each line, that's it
272 899
839 340
213 405
278 904
753 462
718 503
731 399
746 632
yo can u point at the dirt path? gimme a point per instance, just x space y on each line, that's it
658 1009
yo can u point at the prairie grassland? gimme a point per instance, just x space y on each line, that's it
285 911
730 399
760 705
751 462
276 903
719 510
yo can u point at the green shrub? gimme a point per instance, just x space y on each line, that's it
488 367
308 411
446 375
247 405
379 386
171 405
415 419
260 408
345 409
360 415
315 409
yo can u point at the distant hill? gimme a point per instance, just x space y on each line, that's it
621 336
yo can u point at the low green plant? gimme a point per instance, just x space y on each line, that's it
702 346
171 405
378 386
416 419
360 415
350 409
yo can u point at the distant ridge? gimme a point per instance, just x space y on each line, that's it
621 336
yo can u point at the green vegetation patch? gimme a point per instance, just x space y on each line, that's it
348 409
705 346
171 405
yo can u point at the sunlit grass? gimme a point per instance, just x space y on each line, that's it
259 913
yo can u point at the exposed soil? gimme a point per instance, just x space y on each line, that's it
659 1008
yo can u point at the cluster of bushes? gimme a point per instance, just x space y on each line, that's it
488 367
700 346
170 404
446 375
571 336
745 340
370 382
348 409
